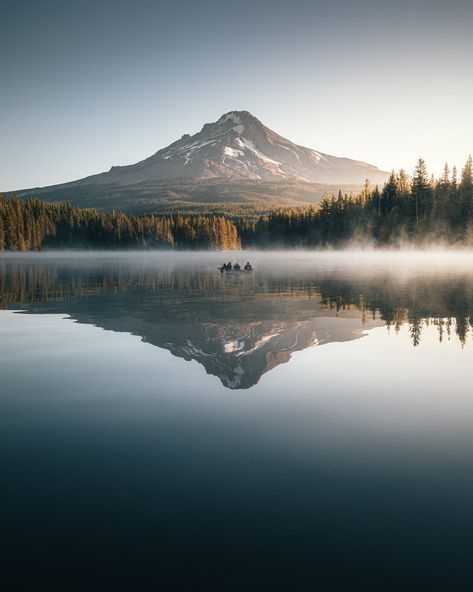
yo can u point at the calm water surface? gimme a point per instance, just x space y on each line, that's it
307 426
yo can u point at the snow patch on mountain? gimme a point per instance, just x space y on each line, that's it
233 153
232 116
248 144
291 150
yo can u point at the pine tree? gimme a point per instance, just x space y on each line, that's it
420 189
466 191
445 179
404 184
454 177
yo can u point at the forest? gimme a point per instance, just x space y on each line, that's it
417 210
33 225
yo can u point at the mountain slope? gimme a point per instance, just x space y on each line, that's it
236 149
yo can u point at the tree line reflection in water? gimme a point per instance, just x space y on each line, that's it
182 292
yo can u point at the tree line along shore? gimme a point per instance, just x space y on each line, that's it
414 210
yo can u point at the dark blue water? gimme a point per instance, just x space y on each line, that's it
309 426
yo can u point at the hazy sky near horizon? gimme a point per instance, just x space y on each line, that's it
87 85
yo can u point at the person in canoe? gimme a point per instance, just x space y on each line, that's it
236 267
248 266
225 267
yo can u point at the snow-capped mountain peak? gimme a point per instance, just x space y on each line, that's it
239 147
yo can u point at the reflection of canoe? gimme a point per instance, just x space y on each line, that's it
222 270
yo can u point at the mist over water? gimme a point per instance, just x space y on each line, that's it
311 419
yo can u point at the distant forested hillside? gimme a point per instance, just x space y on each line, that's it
417 210
214 196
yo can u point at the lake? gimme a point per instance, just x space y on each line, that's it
305 426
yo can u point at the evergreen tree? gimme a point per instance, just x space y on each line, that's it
466 192
404 184
420 190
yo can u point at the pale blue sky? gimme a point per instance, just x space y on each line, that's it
88 85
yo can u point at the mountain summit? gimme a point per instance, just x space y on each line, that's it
239 147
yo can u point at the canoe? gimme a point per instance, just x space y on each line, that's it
221 270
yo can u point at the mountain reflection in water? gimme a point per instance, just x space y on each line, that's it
238 327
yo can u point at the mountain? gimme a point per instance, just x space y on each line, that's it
237 150
239 147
